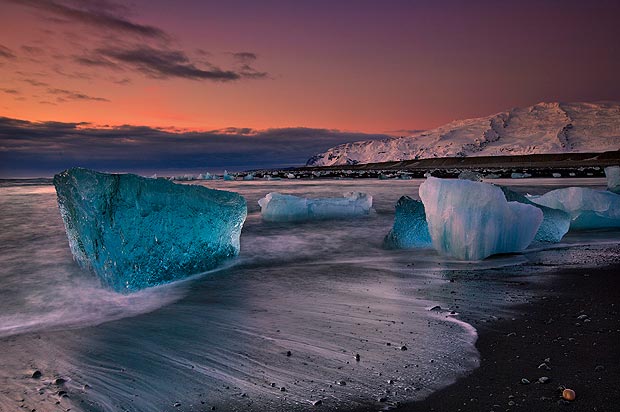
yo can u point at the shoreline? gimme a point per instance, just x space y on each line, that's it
583 352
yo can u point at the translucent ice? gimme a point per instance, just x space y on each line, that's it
410 228
135 232
472 220
555 222
613 178
276 207
589 209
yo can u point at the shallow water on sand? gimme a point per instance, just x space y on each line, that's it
323 291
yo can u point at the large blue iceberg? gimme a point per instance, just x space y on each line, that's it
555 222
473 220
410 229
135 232
588 208
276 207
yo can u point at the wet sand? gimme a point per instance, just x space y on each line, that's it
572 326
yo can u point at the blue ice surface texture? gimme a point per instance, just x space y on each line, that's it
276 207
135 232
588 208
473 220
612 173
555 222
410 229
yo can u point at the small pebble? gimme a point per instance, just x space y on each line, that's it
283 389
525 381
36 374
177 404
288 353
544 366
58 381
317 403
403 347
357 357
543 379
599 368
568 394
382 399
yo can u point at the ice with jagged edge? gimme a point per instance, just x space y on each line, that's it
612 173
135 232
555 222
473 220
410 229
588 208
277 207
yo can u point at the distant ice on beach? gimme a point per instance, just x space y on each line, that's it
473 220
588 208
277 207
135 232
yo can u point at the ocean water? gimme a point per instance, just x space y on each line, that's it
277 328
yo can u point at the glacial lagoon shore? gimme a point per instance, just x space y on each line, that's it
322 291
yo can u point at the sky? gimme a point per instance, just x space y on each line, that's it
153 85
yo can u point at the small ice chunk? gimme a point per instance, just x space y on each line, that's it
555 222
470 175
588 208
135 232
612 173
276 207
249 176
473 220
556 175
520 175
205 176
227 176
410 229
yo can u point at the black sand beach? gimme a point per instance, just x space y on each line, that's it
570 335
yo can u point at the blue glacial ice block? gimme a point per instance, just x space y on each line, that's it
410 229
555 222
135 232
473 220
589 209
276 207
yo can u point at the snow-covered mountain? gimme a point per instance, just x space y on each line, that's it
542 128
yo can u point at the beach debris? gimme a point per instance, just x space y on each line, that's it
568 394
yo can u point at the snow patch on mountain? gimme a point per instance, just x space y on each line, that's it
542 128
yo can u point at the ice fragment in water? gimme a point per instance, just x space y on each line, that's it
588 208
555 222
276 207
410 229
613 178
473 220
135 232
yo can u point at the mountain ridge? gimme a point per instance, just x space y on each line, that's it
546 127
